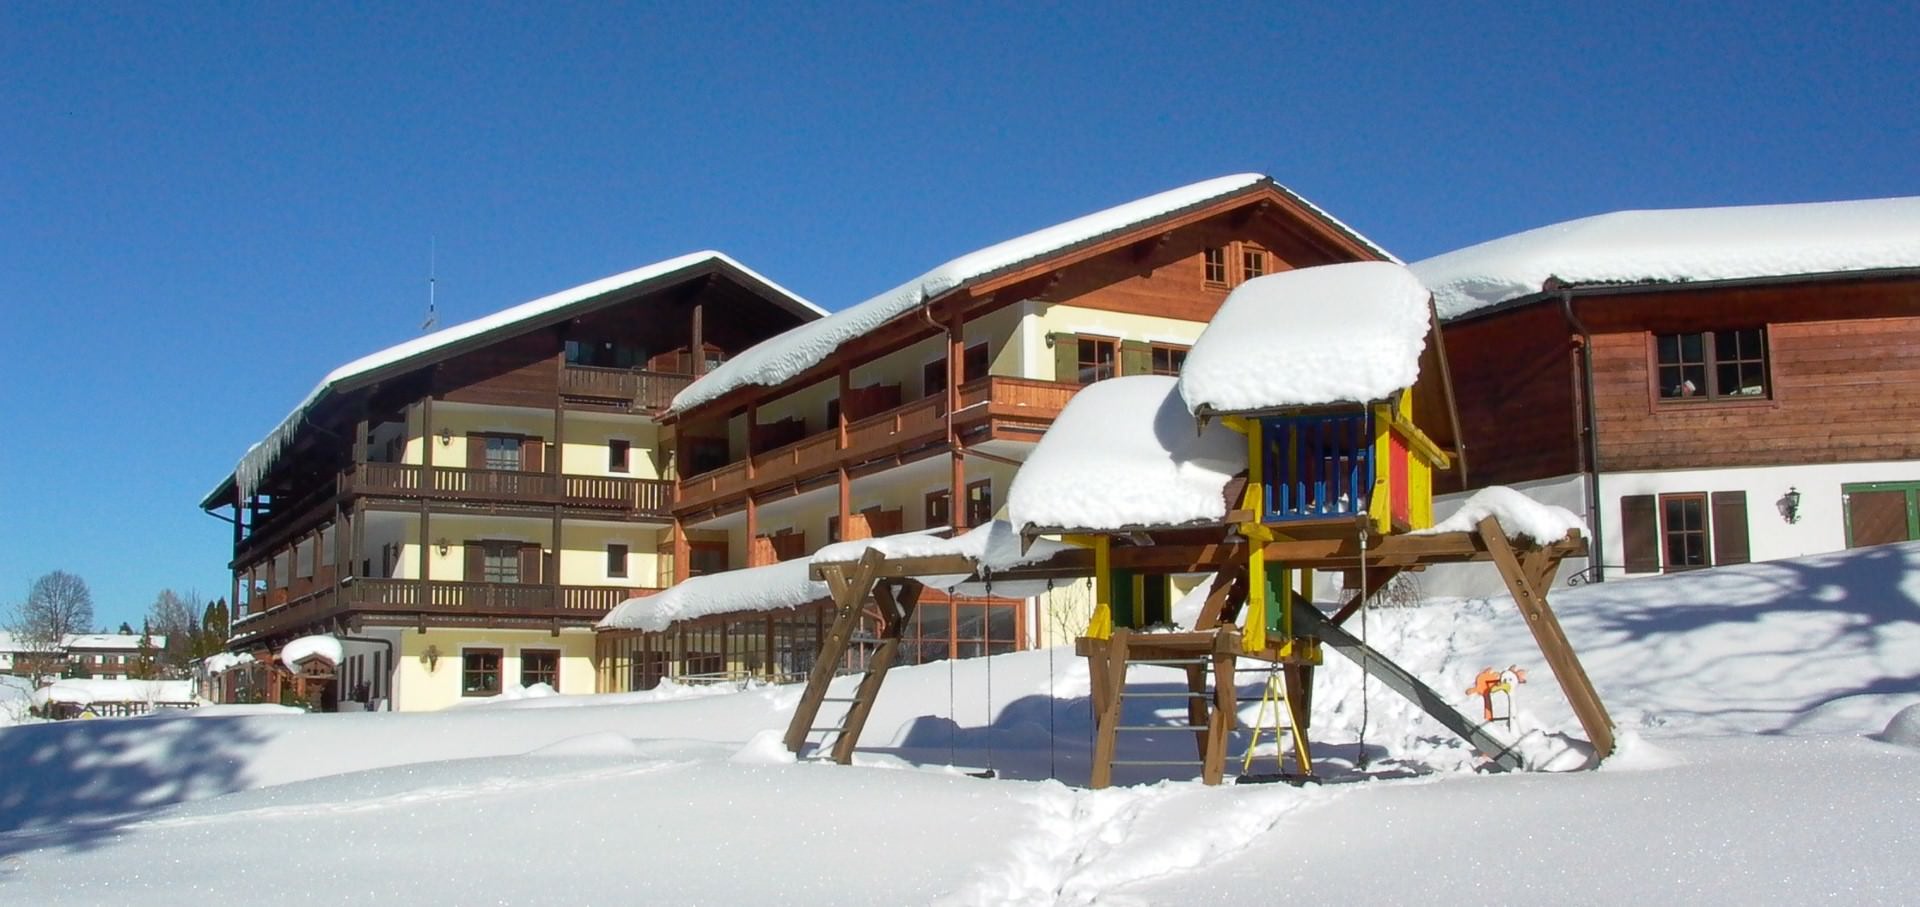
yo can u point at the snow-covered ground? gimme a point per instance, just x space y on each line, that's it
1755 767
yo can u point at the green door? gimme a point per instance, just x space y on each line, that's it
1878 513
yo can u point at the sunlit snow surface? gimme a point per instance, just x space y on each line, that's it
1760 763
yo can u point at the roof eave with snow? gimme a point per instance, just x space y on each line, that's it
554 307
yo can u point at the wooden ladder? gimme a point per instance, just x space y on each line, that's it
1211 712
850 595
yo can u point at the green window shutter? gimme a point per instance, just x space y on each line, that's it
1066 357
1730 528
1640 533
1136 358
1123 600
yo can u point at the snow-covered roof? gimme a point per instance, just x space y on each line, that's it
112 641
260 457
1518 514
991 547
327 647
782 357
1349 332
222 662
1677 246
1124 453
765 588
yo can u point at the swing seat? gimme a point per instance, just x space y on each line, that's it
1292 778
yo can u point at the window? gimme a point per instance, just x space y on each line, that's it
939 512
833 529
1096 360
1253 263
933 377
500 562
1683 530
480 672
1168 360
1216 259
706 454
617 561
833 414
503 452
980 503
706 557
619 454
973 363
605 354
539 666
1712 364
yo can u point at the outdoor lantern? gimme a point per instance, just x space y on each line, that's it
446 437
431 658
1790 505
444 547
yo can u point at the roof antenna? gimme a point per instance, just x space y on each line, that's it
433 254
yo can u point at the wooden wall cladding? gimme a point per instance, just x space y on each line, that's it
1515 381
519 371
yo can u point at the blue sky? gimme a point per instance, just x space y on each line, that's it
205 207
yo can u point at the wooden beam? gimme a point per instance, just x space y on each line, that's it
896 613
1532 601
1108 727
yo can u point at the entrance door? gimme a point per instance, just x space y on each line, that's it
1881 512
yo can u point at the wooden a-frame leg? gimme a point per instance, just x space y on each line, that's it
1297 679
1525 580
1213 767
1108 728
1197 707
896 613
850 595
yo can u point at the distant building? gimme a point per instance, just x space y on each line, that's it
105 656
1707 386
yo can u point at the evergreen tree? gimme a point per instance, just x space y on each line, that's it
125 630
143 660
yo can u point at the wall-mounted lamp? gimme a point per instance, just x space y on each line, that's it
1790 505
430 658
444 547
446 437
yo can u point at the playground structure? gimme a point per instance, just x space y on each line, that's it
1337 477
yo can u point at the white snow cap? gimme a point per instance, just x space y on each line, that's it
992 546
326 647
780 358
1518 514
1124 453
1348 332
86 691
766 588
260 457
1679 245
222 662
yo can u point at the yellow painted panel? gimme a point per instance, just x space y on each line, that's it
419 687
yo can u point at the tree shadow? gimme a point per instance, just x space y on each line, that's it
71 783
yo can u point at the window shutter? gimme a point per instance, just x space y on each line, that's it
476 561
476 451
531 450
1640 533
530 563
1730 528
1136 358
1066 358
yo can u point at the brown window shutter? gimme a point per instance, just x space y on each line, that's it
476 560
531 451
476 451
1730 528
530 563
1066 358
1640 532
1136 358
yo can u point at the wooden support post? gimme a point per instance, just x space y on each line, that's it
682 553
895 614
1297 680
956 354
1108 728
697 347
1226 714
1525 581
1197 710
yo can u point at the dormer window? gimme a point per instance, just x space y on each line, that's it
1216 258
1253 263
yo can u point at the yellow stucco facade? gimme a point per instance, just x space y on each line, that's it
428 666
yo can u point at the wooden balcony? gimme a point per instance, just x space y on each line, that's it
615 494
406 598
625 390
991 401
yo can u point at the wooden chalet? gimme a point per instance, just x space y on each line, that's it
914 409
1706 386
464 506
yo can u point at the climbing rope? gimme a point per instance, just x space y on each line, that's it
986 638
1052 720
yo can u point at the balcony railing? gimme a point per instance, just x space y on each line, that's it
514 600
910 425
648 496
641 389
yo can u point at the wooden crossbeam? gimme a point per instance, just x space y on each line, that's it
849 597
1528 580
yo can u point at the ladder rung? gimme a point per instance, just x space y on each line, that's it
1167 661
830 730
840 699
1153 762
1127 695
1161 727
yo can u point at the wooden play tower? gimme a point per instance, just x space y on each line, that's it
1342 486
